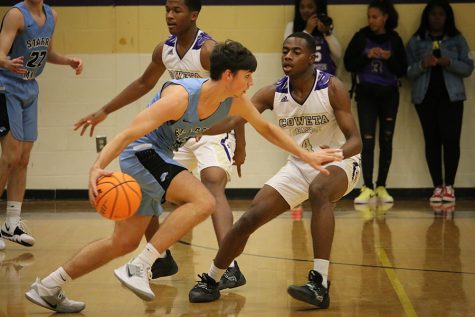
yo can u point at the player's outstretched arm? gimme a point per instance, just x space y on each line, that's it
340 101
242 106
138 88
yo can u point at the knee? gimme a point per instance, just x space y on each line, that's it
23 161
318 195
124 245
246 225
205 206
11 160
214 178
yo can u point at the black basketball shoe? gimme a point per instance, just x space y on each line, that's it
205 290
313 292
164 266
232 278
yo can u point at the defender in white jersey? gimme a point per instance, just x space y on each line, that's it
314 108
185 54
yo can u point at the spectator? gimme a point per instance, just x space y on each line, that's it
438 58
313 20
376 56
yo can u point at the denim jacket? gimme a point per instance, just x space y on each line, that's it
461 65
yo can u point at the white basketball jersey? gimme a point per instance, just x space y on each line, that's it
189 66
313 123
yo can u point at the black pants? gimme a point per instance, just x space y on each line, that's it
376 102
441 122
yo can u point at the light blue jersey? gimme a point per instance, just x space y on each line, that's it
32 43
150 158
19 105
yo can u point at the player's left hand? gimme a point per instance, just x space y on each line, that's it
76 64
443 61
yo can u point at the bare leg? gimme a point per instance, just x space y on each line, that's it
126 238
10 158
267 205
196 204
324 191
215 179
152 228
17 179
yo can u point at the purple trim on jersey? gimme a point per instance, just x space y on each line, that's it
202 38
323 80
171 40
281 85
223 143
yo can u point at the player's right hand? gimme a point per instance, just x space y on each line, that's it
91 120
94 175
322 157
15 65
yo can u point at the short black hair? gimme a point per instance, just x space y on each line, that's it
311 45
193 5
231 55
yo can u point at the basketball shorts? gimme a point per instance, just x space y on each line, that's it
293 180
19 110
209 151
153 170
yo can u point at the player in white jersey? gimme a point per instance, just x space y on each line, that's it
185 54
314 108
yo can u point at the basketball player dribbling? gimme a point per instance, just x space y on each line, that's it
185 54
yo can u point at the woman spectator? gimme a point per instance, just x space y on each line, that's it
439 59
377 57
313 20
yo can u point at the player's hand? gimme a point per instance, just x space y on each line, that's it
92 120
15 65
239 157
322 157
374 52
76 64
94 175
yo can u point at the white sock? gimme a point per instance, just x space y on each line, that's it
148 255
13 212
321 266
232 264
215 272
57 278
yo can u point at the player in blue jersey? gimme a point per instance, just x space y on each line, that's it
26 44
185 54
181 110
314 108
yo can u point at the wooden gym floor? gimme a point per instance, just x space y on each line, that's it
408 260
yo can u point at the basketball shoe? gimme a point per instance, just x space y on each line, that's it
164 266
313 292
437 195
52 298
382 195
449 194
366 196
205 290
232 278
17 233
135 277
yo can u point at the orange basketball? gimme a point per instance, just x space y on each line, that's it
118 196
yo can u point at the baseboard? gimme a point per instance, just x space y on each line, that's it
245 193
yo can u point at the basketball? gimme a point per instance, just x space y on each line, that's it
118 196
